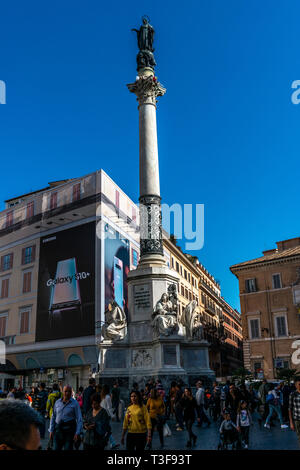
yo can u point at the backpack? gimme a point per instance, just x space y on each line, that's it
271 400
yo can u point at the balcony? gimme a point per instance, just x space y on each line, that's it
8 339
210 309
206 286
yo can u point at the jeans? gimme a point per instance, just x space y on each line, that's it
189 428
136 441
115 406
159 425
64 439
245 434
202 418
277 409
179 416
297 428
112 441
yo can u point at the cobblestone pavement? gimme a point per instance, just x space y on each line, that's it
208 437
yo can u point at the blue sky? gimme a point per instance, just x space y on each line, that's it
228 131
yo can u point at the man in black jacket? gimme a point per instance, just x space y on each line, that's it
88 392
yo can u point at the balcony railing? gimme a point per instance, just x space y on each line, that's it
9 339
204 284
210 309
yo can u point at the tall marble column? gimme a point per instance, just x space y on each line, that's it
147 89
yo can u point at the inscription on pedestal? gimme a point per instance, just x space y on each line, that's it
141 298
170 357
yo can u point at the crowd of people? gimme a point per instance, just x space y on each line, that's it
83 419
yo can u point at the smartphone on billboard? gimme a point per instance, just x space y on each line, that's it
118 281
65 292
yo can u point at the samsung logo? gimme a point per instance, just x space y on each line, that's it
49 239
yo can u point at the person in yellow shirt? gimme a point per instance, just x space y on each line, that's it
157 410
138 424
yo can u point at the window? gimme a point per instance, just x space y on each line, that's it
257 368
7 262
26 282
185 274
189 277
280 326
250 285
276 281
254 328
117 199
181 270
53 200
30 210
4 288
3 319
177 266
76 192
134 215
28 254
172 262
134 257
9 218
182 290
24 321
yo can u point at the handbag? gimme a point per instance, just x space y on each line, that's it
166 430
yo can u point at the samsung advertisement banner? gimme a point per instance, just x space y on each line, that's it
116 268
66 288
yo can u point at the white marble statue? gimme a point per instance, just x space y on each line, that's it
190 318
115 327
164 317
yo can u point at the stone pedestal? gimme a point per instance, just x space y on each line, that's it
144 354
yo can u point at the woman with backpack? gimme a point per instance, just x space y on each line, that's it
273 400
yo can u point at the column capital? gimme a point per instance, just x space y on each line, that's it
147 89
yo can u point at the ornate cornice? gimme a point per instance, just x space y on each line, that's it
261 264
147 89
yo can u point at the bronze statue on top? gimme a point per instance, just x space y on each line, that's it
145 36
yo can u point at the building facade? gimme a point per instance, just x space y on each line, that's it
221 323
57 251
270 299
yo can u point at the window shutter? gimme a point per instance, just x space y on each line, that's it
24 327
33 253
2 326
4 288
23 255
2 263
11 260
281 327
26 322
24 283
254 328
